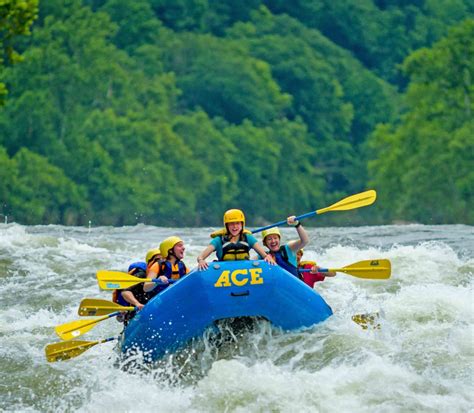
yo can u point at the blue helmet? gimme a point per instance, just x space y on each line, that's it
140 265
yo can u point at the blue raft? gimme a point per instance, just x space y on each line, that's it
226 290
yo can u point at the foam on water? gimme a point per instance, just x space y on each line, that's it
420 359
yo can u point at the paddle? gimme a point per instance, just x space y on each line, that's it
98 307
368 269
66 350
367 321
116 280
77 328
351 202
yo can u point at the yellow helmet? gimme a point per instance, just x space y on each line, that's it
270 231
234 215
150 254
168 244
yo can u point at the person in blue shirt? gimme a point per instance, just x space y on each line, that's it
233 242
285 254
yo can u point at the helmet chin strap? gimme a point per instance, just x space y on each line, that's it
171 252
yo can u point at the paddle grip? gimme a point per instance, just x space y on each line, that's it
106 340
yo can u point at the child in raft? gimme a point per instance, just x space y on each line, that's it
314 276
233 242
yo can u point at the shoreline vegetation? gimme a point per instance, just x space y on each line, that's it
168 113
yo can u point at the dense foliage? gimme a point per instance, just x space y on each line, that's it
16 18
168 112
429 156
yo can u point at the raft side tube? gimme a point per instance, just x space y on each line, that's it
226 290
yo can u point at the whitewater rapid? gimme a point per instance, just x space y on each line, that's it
421 358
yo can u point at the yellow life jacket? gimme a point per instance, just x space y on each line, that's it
235 251
223 231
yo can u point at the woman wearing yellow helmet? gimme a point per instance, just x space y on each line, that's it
285 255
233 242
153 256
171 268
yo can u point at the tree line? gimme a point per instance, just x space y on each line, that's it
169 112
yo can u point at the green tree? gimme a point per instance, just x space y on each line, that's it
221 78
215 154
276 169
136 21
339 100
380 33
38 192
16 18
423 166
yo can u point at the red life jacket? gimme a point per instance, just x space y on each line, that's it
308 278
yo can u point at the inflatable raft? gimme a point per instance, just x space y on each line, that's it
226 290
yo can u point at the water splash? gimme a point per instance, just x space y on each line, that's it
423 348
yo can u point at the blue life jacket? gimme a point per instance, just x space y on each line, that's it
166 269
282 259
137 269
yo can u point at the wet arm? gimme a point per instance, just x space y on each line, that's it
129 297
267 257
296 245
201 259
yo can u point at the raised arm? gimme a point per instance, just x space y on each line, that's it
295 245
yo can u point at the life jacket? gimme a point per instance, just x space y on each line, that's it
308 278
166 269
235 251
282 259
223 231
137 269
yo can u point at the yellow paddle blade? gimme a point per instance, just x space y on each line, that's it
352 202
97 307
66 350
76 328
367 321
369 269
116 280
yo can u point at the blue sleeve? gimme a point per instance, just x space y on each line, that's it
291 255
251 240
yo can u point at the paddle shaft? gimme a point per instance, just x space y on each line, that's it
351 202
280 223
79 327
333 270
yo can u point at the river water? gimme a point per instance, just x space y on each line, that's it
420 359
